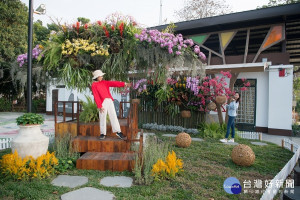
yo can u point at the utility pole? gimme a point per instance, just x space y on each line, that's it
29 57
160 13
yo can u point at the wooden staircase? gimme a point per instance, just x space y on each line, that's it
111 153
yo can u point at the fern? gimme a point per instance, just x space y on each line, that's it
90 112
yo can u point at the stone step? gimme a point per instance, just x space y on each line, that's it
113 161
94 144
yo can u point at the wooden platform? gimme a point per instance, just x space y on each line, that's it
113 161
112 153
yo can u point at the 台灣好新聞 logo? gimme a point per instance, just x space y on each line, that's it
232 186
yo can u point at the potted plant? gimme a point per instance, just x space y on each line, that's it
30 141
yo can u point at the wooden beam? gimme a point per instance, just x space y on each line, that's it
247 46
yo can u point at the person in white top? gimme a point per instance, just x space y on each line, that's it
232 108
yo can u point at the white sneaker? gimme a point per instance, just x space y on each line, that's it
231 140
224 140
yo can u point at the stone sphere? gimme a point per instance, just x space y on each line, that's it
183 140
243 155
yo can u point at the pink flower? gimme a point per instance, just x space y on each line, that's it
247 84
243 88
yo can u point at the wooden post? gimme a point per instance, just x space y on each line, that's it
292 148
260 136
282 143
72 110
77 118
64 111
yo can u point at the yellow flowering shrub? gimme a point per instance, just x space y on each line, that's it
14 166
169 168
77 45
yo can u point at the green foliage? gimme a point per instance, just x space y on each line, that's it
30 118
64 152
5 105
41 33
83 20
212 130
155 150
273 3
90 111
162 94
296 129
36 103
13 39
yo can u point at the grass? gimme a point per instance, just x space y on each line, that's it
206 165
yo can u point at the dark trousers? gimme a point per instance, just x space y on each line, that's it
230 124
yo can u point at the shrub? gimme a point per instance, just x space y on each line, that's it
213 130
30 118
13 166
5 105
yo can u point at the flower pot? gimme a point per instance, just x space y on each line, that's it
211 106
186 114
30 141
221 99
136 101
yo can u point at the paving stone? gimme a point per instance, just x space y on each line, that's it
259 143
169 135
88 193
197 139
69 181
117 181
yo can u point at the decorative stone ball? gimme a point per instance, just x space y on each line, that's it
211 106
183 140
243 155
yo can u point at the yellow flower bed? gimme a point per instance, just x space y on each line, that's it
16 167
167 169
72 48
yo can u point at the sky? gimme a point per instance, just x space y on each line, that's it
145 12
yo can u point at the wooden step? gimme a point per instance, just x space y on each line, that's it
89 129
94 144
117 161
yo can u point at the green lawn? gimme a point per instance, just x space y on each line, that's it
206 165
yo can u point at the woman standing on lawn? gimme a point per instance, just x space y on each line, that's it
232 108
105 104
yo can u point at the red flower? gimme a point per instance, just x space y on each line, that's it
121 28
104 28
86 26
112 27
99 22
107 33
77 26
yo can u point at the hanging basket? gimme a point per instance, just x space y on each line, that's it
211 106
221 99
138 101
186 114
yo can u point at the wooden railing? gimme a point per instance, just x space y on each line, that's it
64 114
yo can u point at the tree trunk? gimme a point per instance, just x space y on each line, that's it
231 85
220 116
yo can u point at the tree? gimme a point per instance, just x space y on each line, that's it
13 38
196 9
83 20
273 3
41 33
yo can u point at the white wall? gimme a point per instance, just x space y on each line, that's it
280 98
262 98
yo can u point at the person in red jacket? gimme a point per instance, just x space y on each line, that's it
104 101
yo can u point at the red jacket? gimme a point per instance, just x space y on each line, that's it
101 91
